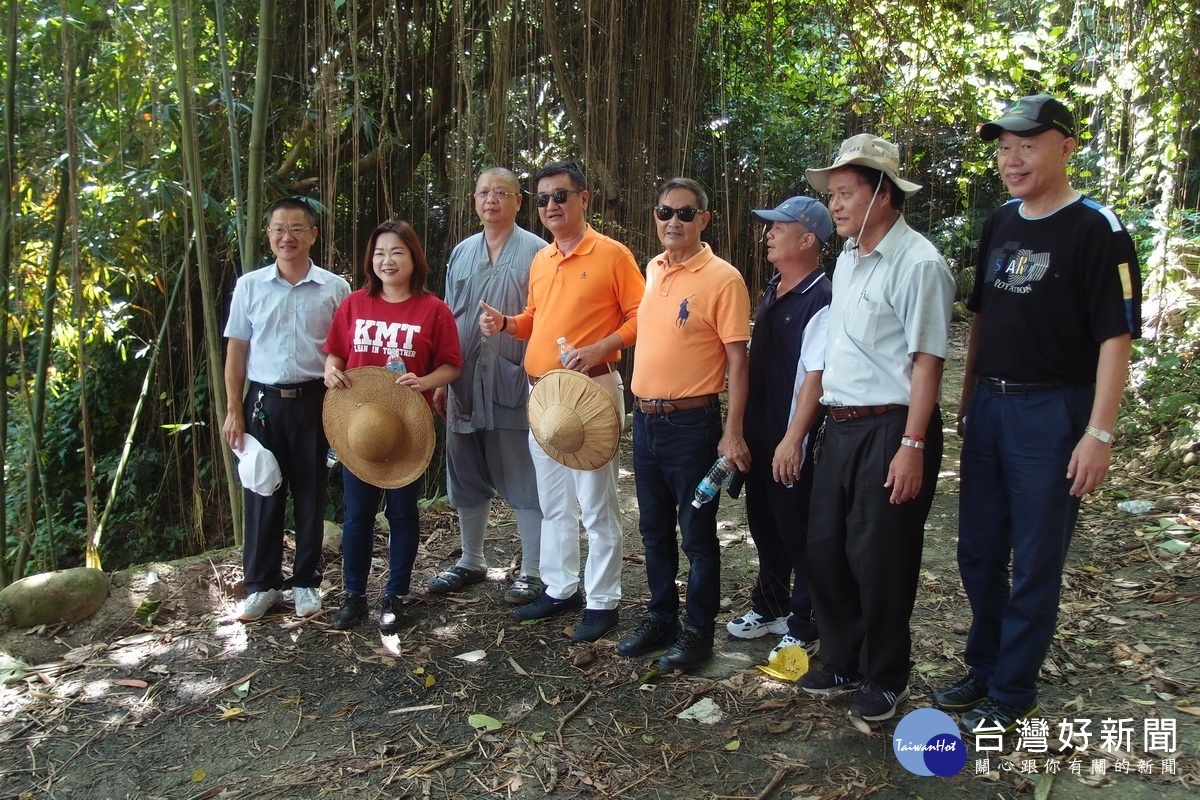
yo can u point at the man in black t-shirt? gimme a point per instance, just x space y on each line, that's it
1057 303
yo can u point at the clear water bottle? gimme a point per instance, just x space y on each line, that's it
564 350
331 459
718 475
396 364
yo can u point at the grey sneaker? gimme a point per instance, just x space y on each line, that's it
307 600
993 716
259 603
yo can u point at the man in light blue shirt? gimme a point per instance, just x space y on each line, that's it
278 321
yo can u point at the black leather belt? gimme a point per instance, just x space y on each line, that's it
290 391
681 404
847 413
1001 386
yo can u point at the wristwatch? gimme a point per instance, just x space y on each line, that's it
1104 436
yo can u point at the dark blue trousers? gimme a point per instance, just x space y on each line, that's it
1015 508
671 454
358 534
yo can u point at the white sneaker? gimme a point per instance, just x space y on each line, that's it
307 599
810 648
258 604
752 625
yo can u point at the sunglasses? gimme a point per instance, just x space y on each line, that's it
558 196
685 214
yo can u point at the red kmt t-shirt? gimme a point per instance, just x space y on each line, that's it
367 329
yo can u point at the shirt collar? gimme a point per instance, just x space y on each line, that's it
693 264
313 275
590 237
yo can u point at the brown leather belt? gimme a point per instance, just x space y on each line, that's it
594 372
681 404
848 413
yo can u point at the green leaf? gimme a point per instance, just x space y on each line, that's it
1173 546
482 722
242 689
733 744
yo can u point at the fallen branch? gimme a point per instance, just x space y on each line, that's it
587 698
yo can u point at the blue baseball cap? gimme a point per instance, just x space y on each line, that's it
810 213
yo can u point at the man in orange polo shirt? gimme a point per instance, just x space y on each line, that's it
694 320
585 288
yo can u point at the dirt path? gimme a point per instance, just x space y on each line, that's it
196 705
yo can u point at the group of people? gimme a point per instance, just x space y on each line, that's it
832 417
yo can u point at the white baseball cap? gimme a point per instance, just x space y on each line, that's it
257 467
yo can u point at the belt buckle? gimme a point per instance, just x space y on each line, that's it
290 394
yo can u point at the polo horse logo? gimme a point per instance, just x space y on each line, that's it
682 319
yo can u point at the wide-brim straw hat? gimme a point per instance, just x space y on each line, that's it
574 420
382 432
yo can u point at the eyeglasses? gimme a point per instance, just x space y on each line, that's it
558 196
496 195
685 214
296 230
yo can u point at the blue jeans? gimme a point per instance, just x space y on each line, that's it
671 454
1014 501
362 502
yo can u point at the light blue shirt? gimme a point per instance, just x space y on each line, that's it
493 387
895 302
286 325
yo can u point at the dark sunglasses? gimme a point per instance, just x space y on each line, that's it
558 195
685 214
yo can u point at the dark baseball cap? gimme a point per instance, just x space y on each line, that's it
1030 116
810 213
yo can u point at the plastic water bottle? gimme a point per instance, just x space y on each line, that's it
718 475
1135 506
564 350
331 459
396 364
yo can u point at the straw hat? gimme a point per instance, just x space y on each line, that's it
382 432
574 419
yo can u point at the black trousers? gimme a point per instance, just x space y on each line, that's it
864 553
293 431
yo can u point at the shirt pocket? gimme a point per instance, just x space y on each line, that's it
863 323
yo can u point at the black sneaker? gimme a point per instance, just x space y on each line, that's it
354 608
650 634
821 681
993 716
692 648
962 695
547 606
390 608
873 704
596 622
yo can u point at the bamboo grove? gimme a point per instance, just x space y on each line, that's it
142 140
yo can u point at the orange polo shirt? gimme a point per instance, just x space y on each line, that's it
689 312
584 297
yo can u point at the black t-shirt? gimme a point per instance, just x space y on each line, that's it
1049 291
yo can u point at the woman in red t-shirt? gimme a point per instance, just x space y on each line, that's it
392 314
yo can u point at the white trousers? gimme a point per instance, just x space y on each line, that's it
567 495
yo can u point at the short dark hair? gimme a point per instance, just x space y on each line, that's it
416 283
688 185
294 202
569 168
871 176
